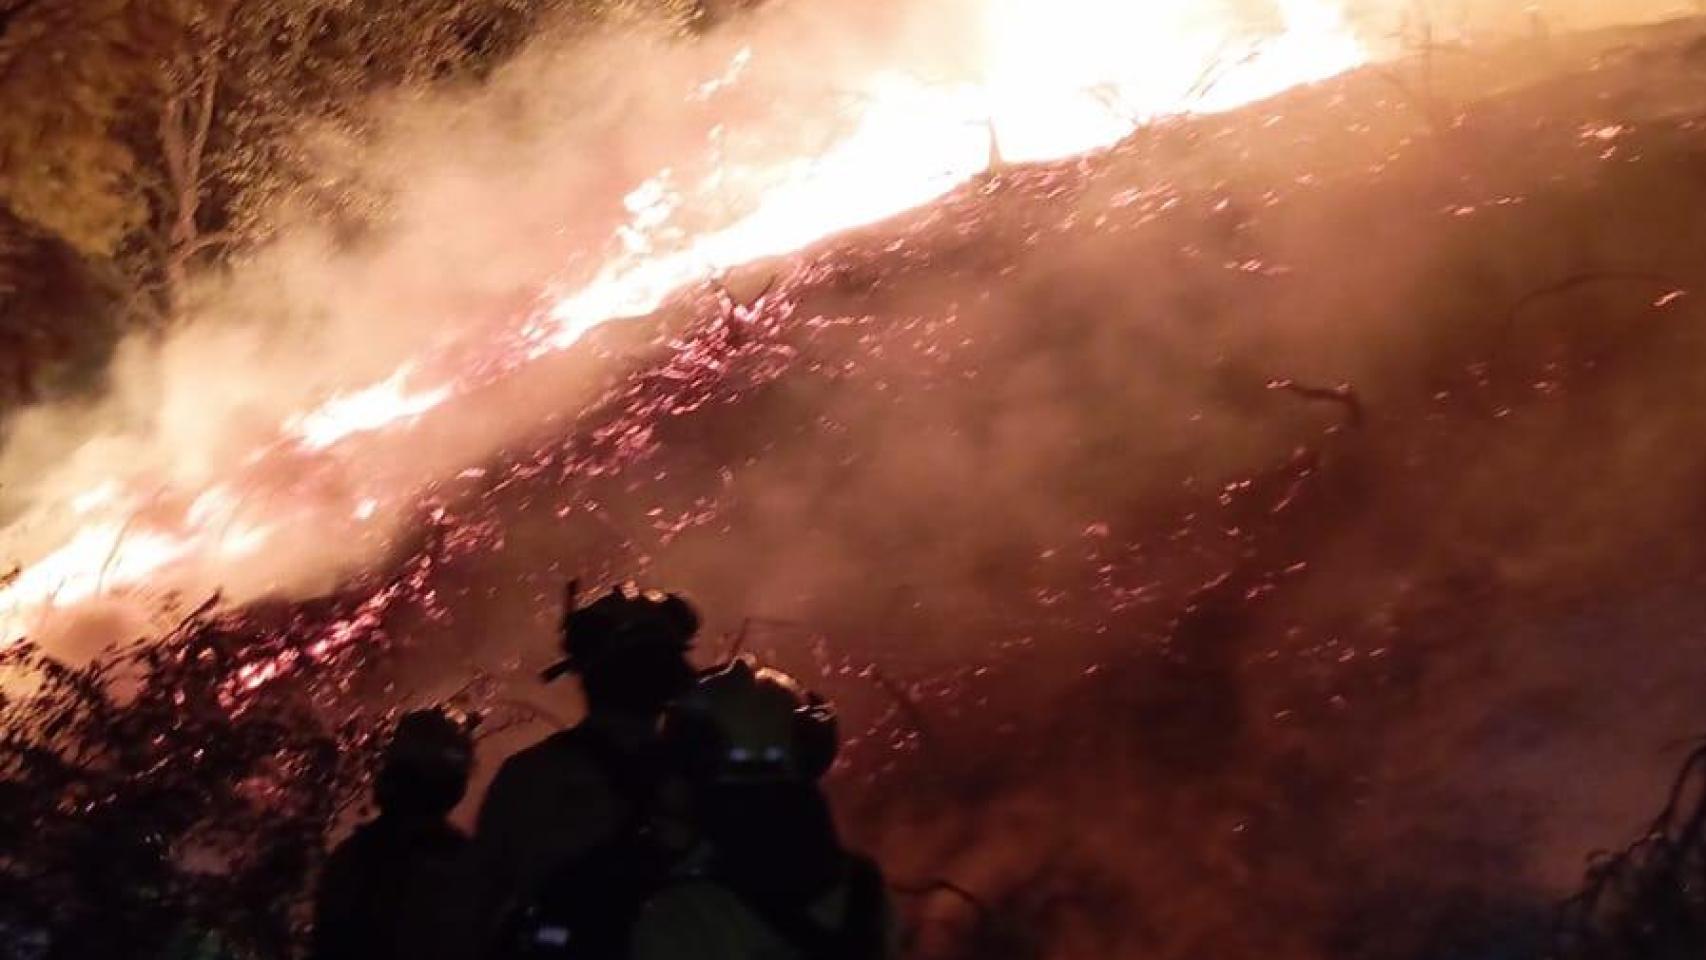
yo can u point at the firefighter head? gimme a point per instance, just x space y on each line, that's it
745 724
629 648
425 768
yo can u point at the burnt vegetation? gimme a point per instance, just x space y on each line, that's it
174 793
1647 900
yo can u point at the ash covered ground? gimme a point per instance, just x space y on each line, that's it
1276 536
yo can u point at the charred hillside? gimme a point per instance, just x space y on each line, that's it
1275 536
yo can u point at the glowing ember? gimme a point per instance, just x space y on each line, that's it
1055 78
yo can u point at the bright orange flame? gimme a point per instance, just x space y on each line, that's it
1057 78
364 411
1060 78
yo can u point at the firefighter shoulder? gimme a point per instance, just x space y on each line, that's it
397 888
557 808
769 878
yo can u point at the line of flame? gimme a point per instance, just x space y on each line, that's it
1051 88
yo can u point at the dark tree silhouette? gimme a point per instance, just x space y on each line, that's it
179 790
1648 901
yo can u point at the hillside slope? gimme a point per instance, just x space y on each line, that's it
1277 536
1021 436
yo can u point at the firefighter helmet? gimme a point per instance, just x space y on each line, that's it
426 765
741 723
623 622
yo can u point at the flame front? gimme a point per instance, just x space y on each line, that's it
379 406
1058 79
1051 79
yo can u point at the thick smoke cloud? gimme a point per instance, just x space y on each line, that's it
1022 437
494 200
1494 20
497 199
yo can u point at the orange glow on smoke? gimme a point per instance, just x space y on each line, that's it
1057 78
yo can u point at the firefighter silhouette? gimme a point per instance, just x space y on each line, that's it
768 877
563 811
398 887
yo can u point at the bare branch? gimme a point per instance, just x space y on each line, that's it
1344 394
205 241
1583 280
171 133
209 82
